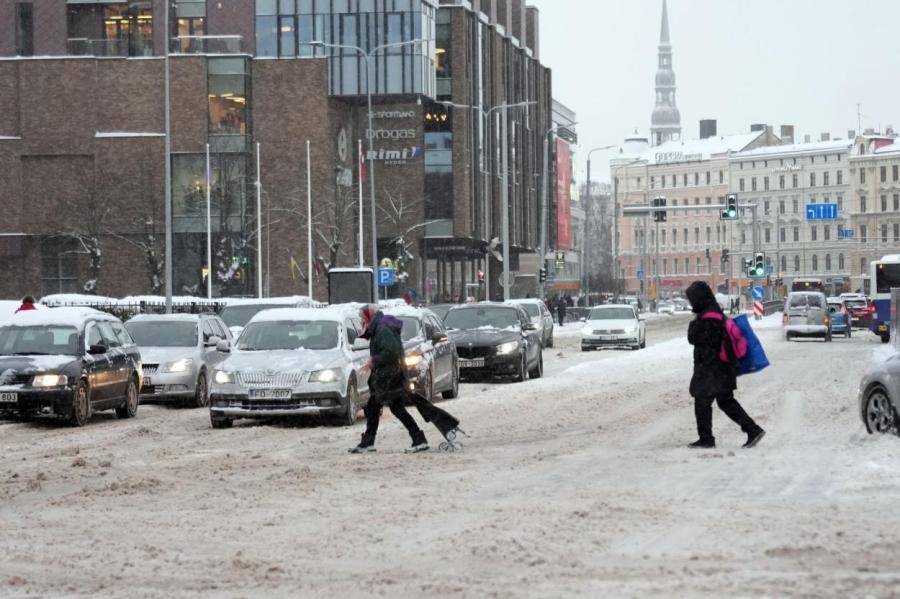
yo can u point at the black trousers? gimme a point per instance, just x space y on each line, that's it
441 419
373 417
729 405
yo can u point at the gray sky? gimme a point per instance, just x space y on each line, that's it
782 62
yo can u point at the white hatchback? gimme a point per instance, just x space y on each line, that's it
613 325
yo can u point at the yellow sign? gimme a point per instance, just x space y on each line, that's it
205 273
387 263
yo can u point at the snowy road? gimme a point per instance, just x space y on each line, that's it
576 484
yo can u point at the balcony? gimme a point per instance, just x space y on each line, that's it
82 46
207 44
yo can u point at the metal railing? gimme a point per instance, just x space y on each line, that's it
115 47
206 44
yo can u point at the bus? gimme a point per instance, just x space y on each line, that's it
808 285
885 276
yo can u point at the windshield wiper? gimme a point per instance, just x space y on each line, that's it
30 353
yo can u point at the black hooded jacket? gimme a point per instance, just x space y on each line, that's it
386 348
712 377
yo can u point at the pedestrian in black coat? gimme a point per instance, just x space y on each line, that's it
561 311
714 380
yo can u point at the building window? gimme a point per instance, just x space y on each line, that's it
813 233
674 180
674 236
841 262
781 207
768 234
721 177
782 235
780 181
812 179
796 263
795 205
766 207
684 180
896 232
696 178
439 166
862 204
708 235
884 202
110 28
895 172
827 262
766 183
783 264
663 238
825 178
796 233
794 181
743 237
227 89
840 177
687 239
840 203
708 180
752 183
189 26
699 266
652 182
697 235
665 264
741 184
815 263
59 265
896 202
863 233
884 233
862 175
826 232
863 263
25 29
883 174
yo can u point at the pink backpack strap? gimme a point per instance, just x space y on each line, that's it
712 316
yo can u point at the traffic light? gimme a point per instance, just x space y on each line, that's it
758 268
543 275
731 207
659 216
724 256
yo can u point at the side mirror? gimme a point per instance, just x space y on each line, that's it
582 319
97 350
223 346
530 327
213 341
360 345
440 338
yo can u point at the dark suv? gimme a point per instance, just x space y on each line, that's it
67 363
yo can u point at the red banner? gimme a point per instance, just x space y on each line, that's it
563 196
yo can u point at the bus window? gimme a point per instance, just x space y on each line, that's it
887 277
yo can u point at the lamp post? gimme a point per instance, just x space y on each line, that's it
370 137
589 205
168 170
504 167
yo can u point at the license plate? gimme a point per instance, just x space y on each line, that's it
9 397
882 328
148 381
269 394
477 363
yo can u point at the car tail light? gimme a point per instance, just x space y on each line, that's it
873 309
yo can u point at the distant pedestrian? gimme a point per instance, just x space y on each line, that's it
561 311
27 304
714 380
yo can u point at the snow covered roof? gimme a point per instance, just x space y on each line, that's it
334 314
404 310
692 150
166 317
526 300
59 299
159 299
810 148
70 317
363 269
891 149
297 300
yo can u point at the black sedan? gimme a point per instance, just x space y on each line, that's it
495 339
67 363
430 355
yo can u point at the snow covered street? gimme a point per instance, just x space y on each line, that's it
578 484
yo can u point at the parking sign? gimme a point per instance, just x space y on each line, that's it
385 277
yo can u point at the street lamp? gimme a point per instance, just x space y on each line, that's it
587 219
370 134
504 108
168 170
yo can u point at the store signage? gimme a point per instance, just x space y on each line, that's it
787 168
391 134
395 156
394 114
668 157
342 145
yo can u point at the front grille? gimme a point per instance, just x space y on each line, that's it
280 379
469 353
150 369
614 332
22 379
273 404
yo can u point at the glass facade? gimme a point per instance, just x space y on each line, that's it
286 28
229 84
189 26
24 29
110 28
438 164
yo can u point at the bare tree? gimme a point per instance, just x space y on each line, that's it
85 228
404 218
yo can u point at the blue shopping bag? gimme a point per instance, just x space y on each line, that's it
756 359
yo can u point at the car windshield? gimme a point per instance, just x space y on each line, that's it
855 303
240 315
532 310
410 328
37 340
478 318
289 334
805 300
612 314
159 333
440 310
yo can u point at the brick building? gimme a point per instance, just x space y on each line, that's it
82 145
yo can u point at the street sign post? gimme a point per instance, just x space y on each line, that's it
385 277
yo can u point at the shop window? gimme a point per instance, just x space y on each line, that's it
110 28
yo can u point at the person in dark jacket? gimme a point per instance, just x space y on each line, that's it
561 310
27 304
714 380
387 381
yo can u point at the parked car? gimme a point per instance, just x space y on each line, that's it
665 308
879 396
495 339
860 308
440 310
68 363
179 351
840 317
682 305
613 325
430 355
293 362
238 312
541 317
806 315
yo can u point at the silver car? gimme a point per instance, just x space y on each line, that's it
541 317
178 351
806 315
879 396
293 362
238 311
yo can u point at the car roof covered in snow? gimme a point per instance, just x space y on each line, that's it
406 310
295 300
333 314
526 300
166 317
70 317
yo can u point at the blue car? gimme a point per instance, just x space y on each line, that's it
840 317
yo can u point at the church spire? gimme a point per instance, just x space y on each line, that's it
666 120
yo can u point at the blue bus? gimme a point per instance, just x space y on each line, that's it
885 276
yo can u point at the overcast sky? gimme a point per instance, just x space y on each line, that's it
782 62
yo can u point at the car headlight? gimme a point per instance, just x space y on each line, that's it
412 360
223 378
587 331
329 375
507 348
49 380
182 365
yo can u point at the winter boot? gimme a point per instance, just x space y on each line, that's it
754 438
420 443
703 444
365 446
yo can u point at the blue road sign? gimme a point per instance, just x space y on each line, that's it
821 211
385 277
640 274
845 233
758 293
770 268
